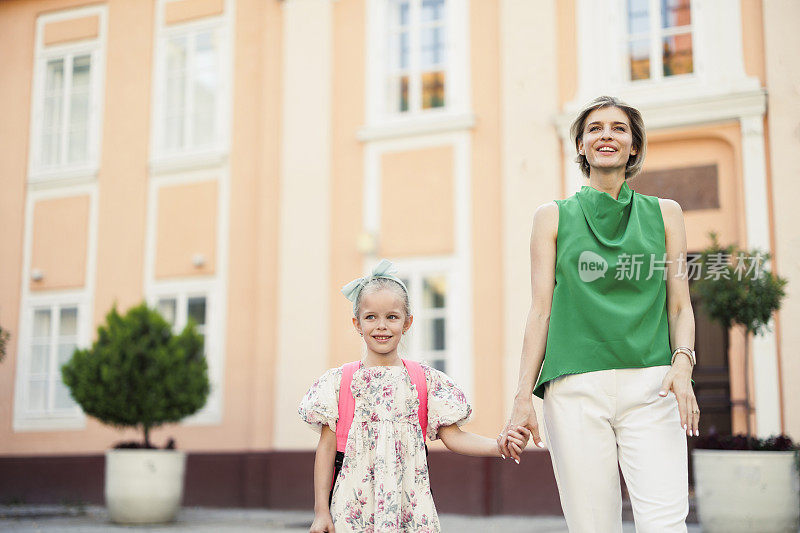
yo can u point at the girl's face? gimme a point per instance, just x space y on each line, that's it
382 321
607 141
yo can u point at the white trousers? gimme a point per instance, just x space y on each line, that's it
598 420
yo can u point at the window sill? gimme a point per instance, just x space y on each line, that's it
183 162
47 179
418 125
210 417
25 423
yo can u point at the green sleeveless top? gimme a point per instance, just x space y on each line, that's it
606 313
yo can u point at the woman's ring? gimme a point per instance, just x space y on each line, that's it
696 411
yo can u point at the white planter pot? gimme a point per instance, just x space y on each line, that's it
144 486
745 491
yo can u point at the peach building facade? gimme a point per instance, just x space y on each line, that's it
237 161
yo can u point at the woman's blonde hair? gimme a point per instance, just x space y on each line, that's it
635 162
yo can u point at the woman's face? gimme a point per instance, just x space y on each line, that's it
607 141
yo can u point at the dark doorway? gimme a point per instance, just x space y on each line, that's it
712 385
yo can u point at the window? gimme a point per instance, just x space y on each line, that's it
53 339
191 308
428 337
659 39
64 130
189 118
417 73
178 309
417 67
67 96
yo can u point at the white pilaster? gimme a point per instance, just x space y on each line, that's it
765 348
304 240
530 101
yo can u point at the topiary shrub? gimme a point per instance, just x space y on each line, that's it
138 373
737 289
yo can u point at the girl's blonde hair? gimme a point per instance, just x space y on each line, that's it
635 162
377 284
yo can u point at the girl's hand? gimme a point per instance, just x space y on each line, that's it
323 523
517 440
679 381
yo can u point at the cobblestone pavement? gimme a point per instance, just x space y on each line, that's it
52 519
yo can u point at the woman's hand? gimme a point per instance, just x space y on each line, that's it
517 439
323 523
523 415
679 381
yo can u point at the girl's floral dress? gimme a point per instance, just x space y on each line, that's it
383 485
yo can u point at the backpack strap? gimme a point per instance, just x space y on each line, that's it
417 375
347 405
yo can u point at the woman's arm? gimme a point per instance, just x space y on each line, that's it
467 443
680 316
543 266
323 479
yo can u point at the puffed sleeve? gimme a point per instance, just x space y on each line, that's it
446 402
320 406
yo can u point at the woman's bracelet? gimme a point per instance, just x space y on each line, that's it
686 351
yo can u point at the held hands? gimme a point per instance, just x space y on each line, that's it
679 381
517 438
524 422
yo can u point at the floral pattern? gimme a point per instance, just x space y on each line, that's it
383 485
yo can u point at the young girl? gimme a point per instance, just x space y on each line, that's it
381 483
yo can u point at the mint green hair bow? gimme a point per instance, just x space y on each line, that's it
384 269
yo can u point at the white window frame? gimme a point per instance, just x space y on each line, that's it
96 49
655 35
415 271
458 265
456 113
51 419
181 291
24 420
191 157
214 286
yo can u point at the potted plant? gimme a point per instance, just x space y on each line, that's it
743 483
139 374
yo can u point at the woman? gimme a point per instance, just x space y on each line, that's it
610 336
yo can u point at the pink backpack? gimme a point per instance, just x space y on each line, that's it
347 403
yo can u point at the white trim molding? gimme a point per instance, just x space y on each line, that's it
379 120
192 157
459 347
95 48
213 287
195 165
717 51
83 298
424 125
757 222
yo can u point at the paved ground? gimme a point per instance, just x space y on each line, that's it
30 518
